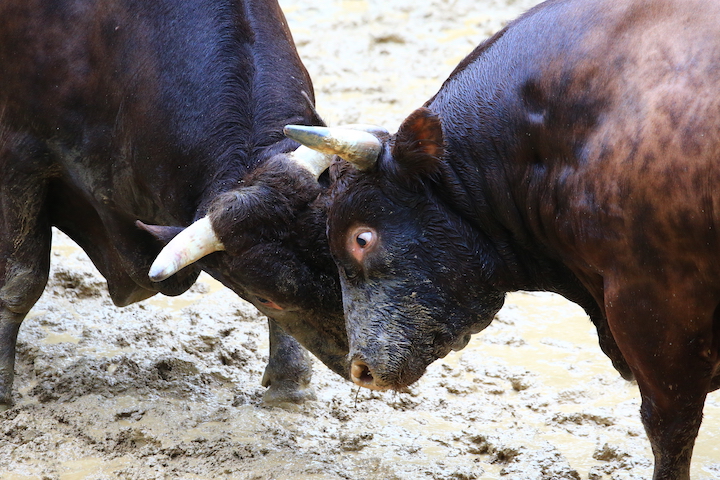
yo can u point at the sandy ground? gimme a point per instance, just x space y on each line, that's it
170 388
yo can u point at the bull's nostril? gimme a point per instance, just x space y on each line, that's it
360 374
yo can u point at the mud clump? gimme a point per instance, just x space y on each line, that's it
74 284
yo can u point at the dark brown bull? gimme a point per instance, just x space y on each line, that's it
169 112
576 151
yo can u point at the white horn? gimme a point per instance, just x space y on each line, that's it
313 161
188 246
356 146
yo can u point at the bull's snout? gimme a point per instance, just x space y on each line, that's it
362 375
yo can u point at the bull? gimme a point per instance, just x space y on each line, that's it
576 151
150 133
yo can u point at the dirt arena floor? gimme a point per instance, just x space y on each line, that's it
170 388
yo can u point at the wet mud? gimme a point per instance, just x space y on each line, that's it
170 388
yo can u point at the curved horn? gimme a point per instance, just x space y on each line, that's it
187 247
356 146
313 161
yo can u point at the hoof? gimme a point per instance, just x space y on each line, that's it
6 400
287 392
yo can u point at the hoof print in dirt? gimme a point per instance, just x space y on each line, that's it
74 283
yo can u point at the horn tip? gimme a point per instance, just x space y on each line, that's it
290 129
158 273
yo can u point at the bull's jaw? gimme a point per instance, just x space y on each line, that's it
371 376
375 376
385 360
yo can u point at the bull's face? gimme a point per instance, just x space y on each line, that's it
276 255
265 239
416 281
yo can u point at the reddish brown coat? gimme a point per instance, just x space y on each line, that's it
581 155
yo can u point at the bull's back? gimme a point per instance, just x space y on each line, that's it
68 64
605 117
645 157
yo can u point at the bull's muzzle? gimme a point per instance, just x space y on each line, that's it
361 374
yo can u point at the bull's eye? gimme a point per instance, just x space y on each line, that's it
361 241
364 239
268 303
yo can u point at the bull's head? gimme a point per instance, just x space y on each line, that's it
200 239
266 240
414 275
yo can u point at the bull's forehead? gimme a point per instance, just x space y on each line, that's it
368 198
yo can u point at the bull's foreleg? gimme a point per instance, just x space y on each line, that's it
289 370
9 327
11 316
667 340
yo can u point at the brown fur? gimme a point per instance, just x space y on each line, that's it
582 156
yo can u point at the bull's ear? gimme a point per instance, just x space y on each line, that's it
418 145
162 233
185 248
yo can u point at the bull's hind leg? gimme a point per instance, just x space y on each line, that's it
22 284
24 263
25 240
668 341
289 369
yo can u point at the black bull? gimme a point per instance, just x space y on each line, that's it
577 151
164 112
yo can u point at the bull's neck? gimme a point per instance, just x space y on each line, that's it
480 186
226 114
506 159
